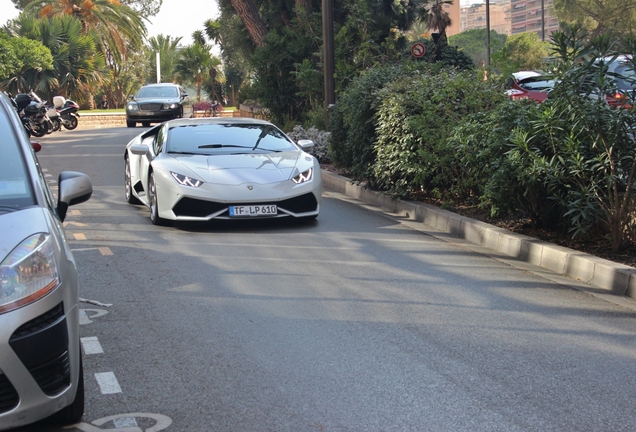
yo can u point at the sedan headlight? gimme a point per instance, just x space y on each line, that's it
170 106
184 180
28 273
132 106
303 177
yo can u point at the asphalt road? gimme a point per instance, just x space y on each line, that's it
352 322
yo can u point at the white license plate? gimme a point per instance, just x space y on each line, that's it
253 210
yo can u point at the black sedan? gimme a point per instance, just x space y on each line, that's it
156 103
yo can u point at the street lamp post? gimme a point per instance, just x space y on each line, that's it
329 57
487 32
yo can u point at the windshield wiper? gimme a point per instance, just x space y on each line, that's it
206 146
185 153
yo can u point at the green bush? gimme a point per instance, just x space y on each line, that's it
416 117
353 120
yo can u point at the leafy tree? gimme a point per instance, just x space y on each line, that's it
473 43
18 55
523 51
599 16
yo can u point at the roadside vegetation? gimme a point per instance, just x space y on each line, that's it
436 128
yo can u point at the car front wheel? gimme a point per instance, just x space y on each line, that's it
154 206
131 123
130 198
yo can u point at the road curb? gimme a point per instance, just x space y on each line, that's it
597 272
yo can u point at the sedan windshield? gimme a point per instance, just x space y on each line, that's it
157 92
213 139
15 186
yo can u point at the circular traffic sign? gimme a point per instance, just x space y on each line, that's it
418 50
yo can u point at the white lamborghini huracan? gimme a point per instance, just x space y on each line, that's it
221 168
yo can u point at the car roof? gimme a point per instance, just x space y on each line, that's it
162 85
521 75
218 120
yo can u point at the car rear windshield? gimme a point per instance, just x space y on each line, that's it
157 92
625 77
227 139
15 185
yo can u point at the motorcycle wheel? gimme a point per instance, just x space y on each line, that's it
49 127
57 124
40 131
71 123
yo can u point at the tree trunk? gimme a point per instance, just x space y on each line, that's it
251 20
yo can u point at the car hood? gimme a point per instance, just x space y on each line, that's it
19 225
244 168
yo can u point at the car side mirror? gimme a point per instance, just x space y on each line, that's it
139 149
73 188
305 144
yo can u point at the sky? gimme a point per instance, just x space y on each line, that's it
174 18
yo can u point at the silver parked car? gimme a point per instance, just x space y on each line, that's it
40 360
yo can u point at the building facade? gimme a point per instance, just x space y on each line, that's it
532 16
474 17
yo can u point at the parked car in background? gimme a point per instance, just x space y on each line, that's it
221 168
533 85
156 103
41 371
620 71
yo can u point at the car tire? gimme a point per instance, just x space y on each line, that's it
74 412
130 197
153 203
131 123
145 124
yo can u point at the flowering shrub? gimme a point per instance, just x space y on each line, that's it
202 106
320 139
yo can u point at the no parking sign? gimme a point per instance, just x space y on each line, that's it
418 50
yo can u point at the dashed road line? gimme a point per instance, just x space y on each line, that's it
107 383
91 345
79 236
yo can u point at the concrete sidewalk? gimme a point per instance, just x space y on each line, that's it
596 272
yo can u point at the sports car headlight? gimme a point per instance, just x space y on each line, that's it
132 106
28 273
304 176
169 106
185 180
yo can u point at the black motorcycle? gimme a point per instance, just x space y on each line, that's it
32 112
67 111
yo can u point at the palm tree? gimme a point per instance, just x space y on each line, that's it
168 49
77 62
119 25
194 63
436 18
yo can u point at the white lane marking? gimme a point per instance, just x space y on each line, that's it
161 422
125 422
84 318
91 345
95 302
107 383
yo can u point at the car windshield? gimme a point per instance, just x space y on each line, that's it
157 92
536 84
215 139
15 187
